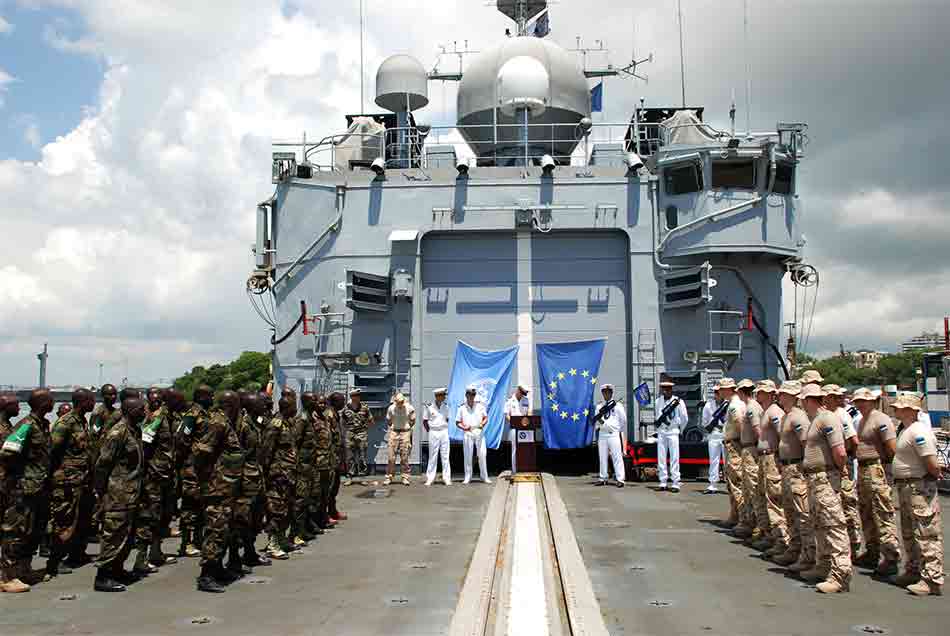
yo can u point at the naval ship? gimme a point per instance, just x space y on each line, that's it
386 243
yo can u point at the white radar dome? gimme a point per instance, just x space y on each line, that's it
523 82
401 84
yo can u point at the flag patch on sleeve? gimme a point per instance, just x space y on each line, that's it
882 428
828 430
920 440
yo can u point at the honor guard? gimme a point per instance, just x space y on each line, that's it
671 419
800 554
916 471
735 415
834 402
751 519
435 419
770 478
825 460
877 441
471 418
516 406
401 416
713 422
611 424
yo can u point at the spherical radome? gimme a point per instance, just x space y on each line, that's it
401 81
523 82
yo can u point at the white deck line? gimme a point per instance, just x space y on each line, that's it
528 597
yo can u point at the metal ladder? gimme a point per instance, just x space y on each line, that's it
647 372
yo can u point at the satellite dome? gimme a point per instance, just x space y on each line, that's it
489 85
401 81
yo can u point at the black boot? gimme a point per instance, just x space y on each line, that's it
206 580
251 557
235 564
106 583
55 566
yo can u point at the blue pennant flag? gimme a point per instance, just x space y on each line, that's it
490 372
642 394
568 379
597 98
542 25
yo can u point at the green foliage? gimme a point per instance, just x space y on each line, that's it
894 368
250 372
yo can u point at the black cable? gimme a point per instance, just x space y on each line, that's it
303 314
768 341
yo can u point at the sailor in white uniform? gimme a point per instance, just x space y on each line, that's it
668 436
435 418
516 405
714 439
610 421
472 419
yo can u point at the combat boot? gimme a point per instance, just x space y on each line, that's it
886 569
387 481
923 588
106 583
786 559
274 550
156 557
814 575
10 584
235 564
906 579
251 557
761 545
741 531
207 582
866 560
831 587
141 568
801 566
778 548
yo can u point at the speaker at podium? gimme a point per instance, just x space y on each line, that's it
526 448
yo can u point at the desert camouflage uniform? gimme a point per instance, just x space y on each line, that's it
733 447
279 462
356 425
849 490
158 442
25 456
770 478
307 480
219 460
833 551
193 424
875 500
71 499
922 528
118 477
753 514
801 541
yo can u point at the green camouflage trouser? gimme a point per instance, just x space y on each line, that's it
154 513
191 509
115 538
280 502
357 444
218 526
70 510
307 486
19 520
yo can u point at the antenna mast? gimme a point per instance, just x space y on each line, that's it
679 13
748 68
362 73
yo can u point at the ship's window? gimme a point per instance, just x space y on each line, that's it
783 177
688 294
367 292
683 179
672 216
691 278
734 174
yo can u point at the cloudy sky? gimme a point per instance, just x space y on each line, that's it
134 144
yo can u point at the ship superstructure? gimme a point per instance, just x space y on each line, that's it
388 242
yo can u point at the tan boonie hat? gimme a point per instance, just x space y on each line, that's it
811 391
832 389
399 399
727 383
863 394
746 383
907 401
767 386
792 387
811 376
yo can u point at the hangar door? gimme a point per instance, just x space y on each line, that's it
580 290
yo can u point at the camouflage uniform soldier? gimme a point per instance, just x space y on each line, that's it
834 402
324 461
103 417
877 442
356 418
25 457
732 446
118 478
246 507
306 483
71 500
916 471
338 459
752 516
770 479
219 461
192 426
9 408
279 463
825 459
800 555
158 441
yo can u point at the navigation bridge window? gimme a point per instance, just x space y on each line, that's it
734 174
683 179
784 172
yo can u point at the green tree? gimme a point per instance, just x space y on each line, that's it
250 372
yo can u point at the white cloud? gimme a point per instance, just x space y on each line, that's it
5 80
5 27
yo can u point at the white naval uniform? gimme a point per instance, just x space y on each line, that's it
609 441
437 418
474 440
668 442
714 443
515 407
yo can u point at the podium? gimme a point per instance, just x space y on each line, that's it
526 452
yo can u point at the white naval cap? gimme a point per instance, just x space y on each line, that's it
606 386
440 390
471 388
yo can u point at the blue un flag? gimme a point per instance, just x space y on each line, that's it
642 394
568 379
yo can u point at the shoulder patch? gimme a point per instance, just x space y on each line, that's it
798 426
920 440
828 430
149 431
774 420
187 424
14 442
882 428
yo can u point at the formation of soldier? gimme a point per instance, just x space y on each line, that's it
811 483
119 472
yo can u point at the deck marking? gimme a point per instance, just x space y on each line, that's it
528 613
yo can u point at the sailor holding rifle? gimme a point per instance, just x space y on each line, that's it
671 420
611 425
714 415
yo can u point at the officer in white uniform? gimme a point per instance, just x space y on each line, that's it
516 405
611 425
435 418
472 418
668 437
714 439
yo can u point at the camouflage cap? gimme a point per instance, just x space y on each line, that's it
832 389
811 376
863 394
791 387
907 401
811 391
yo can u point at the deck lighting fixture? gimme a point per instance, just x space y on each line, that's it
379 166
548 165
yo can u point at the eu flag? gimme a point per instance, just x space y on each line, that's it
642 393
597 98
568 379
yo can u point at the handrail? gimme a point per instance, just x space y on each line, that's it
706 218
333 227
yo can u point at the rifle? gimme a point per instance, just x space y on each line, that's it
604 411
667 412
717 418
